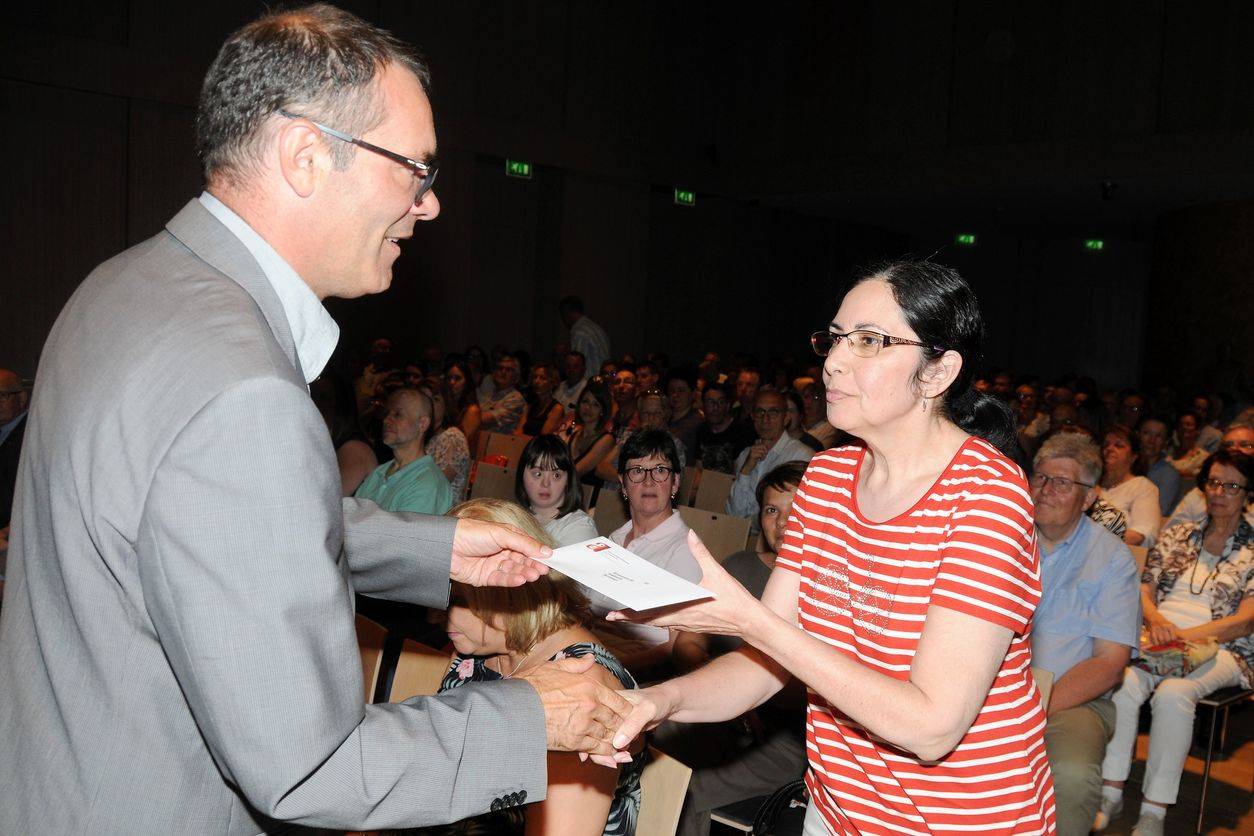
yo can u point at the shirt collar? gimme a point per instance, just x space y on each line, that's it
314 332
669 527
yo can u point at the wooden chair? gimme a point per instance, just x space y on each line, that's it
712 490
722 534
1140 553
509 446
494 481
418 671
663 785
1044 684
610 512
370 638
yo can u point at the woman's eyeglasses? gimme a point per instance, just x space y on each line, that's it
657 473
1229 488
861 343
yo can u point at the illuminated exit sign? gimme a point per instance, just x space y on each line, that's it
685 198
518 168
965 239
1094 244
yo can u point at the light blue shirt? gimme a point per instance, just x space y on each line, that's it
419 487
743 499
1089 590
8 428
313 330
1167 479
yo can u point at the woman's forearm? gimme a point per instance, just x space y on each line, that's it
723 689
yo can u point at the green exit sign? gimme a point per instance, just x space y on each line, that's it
685 198
965 239
1094 244
518 168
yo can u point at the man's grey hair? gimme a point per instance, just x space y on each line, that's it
318 62
1077 447
1240 424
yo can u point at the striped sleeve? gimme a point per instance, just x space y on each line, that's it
989 566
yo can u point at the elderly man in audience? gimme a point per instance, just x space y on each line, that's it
574 376
411 481
586 337
1238 439
501 405
720 439
13 401
1085 626
772 448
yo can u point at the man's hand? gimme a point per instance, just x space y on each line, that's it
580 714
488 554
757 452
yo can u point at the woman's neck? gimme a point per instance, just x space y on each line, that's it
1221 527
642 524
910 449
545 514
1113 477
511 663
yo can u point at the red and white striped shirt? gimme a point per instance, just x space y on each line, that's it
967 545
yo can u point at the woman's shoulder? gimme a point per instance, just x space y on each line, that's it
465 669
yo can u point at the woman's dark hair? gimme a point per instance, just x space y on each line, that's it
795 397
1243 463
597 388
940 307
1131 439
454 408
645 443
786 477
550 451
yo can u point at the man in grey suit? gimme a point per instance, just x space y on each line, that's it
177 648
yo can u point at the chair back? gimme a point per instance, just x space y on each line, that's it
722 534
418 671
1139 553
509 446
687 482
712 490
493 481
663 785
370 638
610 512
1044 683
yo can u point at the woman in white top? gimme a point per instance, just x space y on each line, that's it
548 486
1135 495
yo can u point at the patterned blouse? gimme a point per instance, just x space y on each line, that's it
1108 517
625 807
449 449
1175 555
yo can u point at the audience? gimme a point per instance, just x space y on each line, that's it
334 397
1197 588
448 446
411 481
652 413
1186 454
543 413
588 432
547 485
499 633
772 448
1085 626
501 405
1237 439
1031 421
624 390
586 337
1152 435
647 376
748 381
576 375
685 420
460 401
1135 495
720 439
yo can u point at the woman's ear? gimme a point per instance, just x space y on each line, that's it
940 374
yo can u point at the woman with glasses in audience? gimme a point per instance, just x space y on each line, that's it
548 486
543 414
503 633
1123 487
461 402
904 587
587 433
1198 584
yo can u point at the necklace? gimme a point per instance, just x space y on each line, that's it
514 671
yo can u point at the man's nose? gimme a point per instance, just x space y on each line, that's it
426 209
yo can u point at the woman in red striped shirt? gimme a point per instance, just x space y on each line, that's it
903 591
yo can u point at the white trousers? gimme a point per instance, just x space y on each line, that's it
814 824
1173 702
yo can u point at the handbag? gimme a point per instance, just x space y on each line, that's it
1177 658
783 812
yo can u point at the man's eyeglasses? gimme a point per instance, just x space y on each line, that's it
657 473
424 173
861 343
1229 488
1061 484
769 411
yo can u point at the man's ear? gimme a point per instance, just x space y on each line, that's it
303 156
1090 496
941 373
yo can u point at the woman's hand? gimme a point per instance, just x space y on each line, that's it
725 614
1159 630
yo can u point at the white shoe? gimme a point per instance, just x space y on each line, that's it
1148 825
1111 808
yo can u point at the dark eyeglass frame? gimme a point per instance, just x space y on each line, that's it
824 342
656 474
424 172
1062 484
1227 488
772 411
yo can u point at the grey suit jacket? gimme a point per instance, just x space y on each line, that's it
177 652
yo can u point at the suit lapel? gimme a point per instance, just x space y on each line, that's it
203 234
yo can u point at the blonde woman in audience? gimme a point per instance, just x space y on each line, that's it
1134 495
547 484
503 633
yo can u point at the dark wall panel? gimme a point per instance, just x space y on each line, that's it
163 172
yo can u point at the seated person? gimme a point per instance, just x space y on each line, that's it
1135 495
411 481
333 395
685 420
588 433
547 485
1187 455
720 439
501 405
500 633
575 366
543 413
648 469
448 445
1237 439
652 412
1152 434
461 403
757 753
772 448
1085 627
1198 584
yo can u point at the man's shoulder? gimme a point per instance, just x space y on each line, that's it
1106 550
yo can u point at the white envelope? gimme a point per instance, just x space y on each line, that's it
629 579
